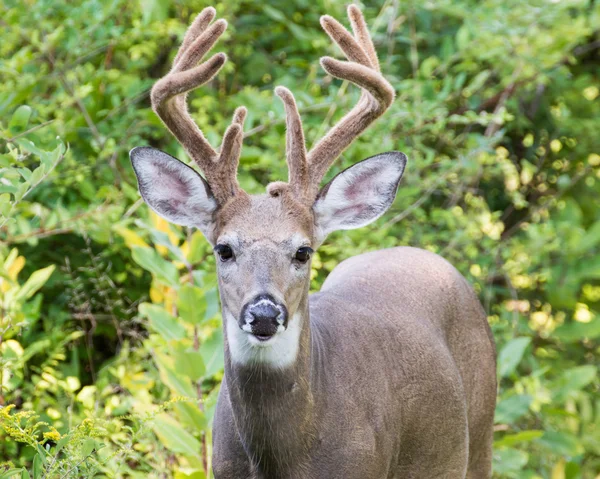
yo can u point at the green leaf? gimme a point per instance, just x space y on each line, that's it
572 470
25 173
512 408
34 283
511 354
37 175
573 380
509 461
590 239
154 10
561 443
25 474
20 118
518 438
174 437
191 415
197 251
20 191
213 353
29 146
62 442
161 238
88 447
191 304
576 331
10 473
50 159
177 383
274 14
187 473
189 363
150 260
162 322
37 467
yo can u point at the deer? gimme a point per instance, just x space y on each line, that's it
389 370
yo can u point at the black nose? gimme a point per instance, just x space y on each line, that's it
263 312
264 315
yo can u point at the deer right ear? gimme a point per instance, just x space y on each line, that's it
359 195
174 190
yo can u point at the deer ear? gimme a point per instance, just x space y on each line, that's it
360 194
174 190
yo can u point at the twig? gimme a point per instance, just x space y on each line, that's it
493 127
86 116
31 130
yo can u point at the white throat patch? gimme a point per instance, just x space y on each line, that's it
278 352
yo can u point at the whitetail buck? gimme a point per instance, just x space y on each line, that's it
389 371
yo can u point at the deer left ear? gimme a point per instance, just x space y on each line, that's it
360 194
174 190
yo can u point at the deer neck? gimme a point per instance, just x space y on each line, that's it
273 408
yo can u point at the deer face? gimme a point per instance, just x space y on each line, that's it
263 246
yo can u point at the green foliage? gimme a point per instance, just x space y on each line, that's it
107 314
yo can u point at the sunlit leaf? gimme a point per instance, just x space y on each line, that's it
150 260
174 437
191 304
162 322
34 283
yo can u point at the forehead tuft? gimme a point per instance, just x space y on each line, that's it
265 216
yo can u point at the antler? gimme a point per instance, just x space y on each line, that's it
168 98
307 170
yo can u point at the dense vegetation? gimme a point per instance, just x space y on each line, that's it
110 341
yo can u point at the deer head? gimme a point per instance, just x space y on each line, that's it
264 243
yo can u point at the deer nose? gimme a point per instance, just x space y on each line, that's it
264 317
264 312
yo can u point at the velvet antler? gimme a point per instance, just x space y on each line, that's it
168 98
362 69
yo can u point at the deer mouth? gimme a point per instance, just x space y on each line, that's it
263 337
264 332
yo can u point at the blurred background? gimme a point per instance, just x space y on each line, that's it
110 340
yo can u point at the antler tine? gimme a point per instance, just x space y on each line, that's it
362 69
199 24
361 33
229 155
168 97
298 176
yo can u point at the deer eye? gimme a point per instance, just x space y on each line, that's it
225 252
303 254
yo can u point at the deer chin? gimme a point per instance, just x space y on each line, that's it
278 351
